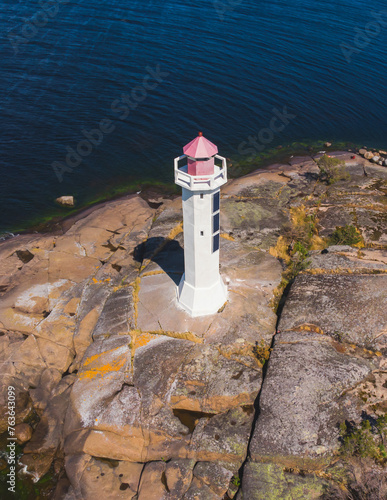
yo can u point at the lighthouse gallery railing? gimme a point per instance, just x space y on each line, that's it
199 182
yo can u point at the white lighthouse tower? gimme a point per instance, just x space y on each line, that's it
201 290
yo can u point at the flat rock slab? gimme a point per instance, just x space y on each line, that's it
300 160
271 482
224 437
158 309
351 306
255 179
194 377
374 255
373 225
252 276
117 316
94 478
253 221
348 259
376 171
216 477
255 214
100 377
303 399
356 198
332 217
177 401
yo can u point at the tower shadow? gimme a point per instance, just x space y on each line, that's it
167 254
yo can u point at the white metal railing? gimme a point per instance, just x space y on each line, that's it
199 182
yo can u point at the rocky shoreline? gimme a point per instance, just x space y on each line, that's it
379 156
120 394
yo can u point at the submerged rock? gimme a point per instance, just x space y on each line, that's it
66 201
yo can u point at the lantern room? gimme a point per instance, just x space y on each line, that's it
200 156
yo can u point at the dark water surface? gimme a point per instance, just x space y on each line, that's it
225 66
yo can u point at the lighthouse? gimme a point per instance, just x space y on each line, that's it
200 171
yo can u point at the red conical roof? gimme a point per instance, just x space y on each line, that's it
200 147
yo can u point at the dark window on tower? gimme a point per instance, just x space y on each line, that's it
201 196
215 223
215 202
215 242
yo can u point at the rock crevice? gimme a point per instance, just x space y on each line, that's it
129 396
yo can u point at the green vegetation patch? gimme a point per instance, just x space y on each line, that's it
346 235
332 170
365 440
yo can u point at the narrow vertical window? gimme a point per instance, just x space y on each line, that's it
201 196
215 223
216 202
215 242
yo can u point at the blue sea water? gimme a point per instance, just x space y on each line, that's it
222 66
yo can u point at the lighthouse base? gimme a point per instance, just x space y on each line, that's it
201 301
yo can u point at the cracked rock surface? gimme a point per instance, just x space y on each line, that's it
130 398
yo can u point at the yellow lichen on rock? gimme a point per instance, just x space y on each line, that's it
226 236
175 231
136 290
310 328
142 339
95 369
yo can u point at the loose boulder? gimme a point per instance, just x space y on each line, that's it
67 201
